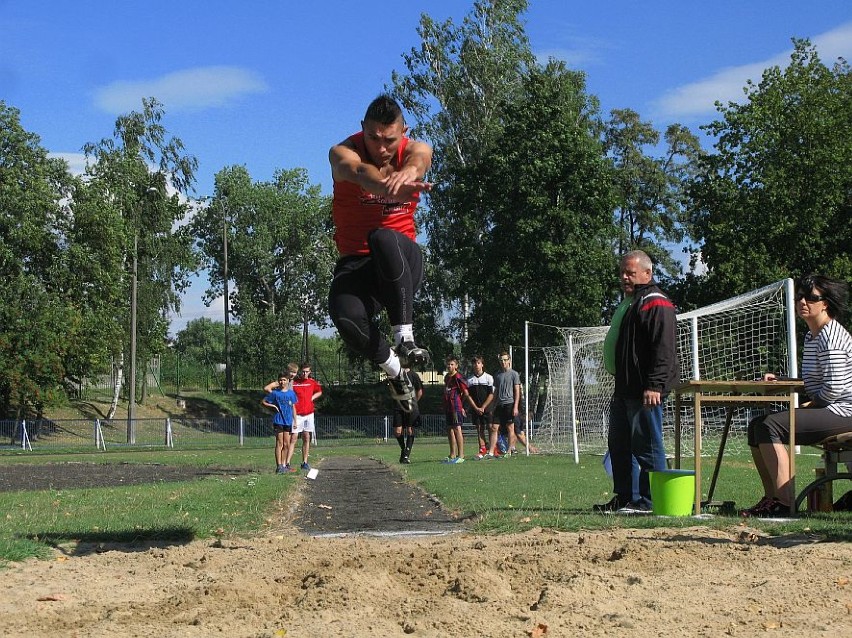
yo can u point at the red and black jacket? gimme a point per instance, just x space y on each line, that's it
646 350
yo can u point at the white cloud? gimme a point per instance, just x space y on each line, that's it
189 89
192 307
697 98
573 58
581 52
76 161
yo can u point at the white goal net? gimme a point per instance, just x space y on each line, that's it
740 338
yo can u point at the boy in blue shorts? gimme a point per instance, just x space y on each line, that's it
283 400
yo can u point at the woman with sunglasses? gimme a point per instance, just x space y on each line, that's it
827 376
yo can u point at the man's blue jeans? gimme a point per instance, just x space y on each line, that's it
635 432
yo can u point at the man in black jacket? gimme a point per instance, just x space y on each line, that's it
644 331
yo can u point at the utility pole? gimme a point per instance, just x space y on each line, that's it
131 406
305 335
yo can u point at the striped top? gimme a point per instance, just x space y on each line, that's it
455 387
827 368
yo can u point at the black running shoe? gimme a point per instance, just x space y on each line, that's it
404 459
411 355
614 504
636 507
402 391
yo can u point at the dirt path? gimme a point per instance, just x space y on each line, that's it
667 583
63 476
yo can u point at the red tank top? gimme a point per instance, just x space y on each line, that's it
356 212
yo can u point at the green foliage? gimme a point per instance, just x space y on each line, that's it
651 212
33 324
40 320
135 180
66 248
459 77
546 210
774 200
280 258
456 83
202 340
96 276
265 343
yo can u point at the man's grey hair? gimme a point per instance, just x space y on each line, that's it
640 257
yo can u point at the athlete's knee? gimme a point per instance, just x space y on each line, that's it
352 333
352 325
381 237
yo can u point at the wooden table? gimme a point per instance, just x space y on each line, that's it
731 394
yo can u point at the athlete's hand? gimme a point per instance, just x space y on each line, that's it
406 191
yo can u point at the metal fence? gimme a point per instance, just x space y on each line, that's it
171 374
86 435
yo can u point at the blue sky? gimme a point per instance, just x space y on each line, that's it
273 84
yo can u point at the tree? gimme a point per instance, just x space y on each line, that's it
456 84
202 340
140 173
775 197
39 319
651 213
280 256
95 277
547 202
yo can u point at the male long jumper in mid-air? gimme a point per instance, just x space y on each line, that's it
378 175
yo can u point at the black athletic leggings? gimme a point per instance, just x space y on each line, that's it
364 284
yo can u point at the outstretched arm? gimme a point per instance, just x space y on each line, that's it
347 165
415 164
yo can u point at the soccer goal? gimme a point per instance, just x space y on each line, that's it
739 338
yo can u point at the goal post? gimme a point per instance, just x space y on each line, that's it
738 338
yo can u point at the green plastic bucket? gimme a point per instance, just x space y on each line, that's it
672 492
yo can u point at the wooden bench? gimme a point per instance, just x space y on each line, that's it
836 450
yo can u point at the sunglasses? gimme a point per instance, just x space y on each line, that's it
809 297
504 359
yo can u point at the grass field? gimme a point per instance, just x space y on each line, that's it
509 495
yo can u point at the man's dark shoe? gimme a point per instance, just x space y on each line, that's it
402 391
613 505
411 355
768 508
635 507
404 459
758 508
